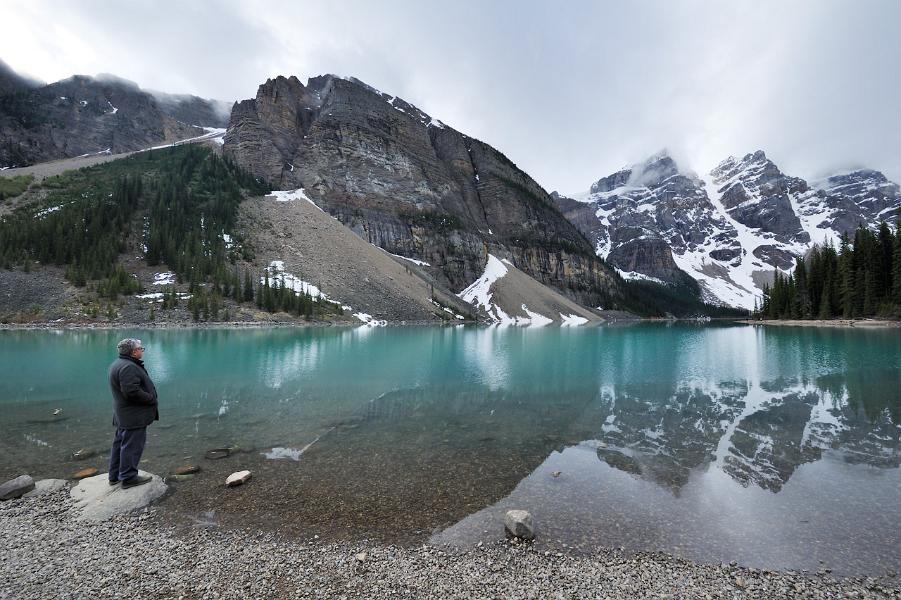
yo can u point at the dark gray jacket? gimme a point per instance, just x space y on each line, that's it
134 395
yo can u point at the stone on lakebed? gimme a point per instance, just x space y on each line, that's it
187 470
88 472
83 453
218 453
16 488
519 524
237 478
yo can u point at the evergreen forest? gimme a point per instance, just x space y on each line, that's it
176 206
859 279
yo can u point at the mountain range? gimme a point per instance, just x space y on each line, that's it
728 229
653 238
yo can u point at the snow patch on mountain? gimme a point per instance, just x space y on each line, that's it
290 196
481 295
633 275
165 278
572 320
479 291
536 319
275 272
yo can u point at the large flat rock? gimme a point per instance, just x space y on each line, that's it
97 500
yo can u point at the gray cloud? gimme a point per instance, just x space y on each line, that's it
569 91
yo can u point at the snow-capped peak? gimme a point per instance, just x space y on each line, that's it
728 229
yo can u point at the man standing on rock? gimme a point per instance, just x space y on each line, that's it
134 408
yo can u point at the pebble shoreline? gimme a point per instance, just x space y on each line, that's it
45 552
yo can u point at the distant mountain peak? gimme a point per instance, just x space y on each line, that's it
648 173
654 170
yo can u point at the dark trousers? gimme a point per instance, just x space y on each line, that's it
128 445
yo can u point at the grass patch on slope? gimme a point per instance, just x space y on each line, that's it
10 187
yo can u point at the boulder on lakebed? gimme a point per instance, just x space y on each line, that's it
96 500
519 524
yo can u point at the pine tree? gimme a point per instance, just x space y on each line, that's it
859 256
825 312
869 293
248 287
885 256
896 268
827 300
846 278
801 301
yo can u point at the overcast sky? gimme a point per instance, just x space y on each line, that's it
570 91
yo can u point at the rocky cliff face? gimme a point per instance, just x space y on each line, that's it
758 195
729 229
83 115
410 184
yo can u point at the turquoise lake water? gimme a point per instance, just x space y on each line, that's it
775 447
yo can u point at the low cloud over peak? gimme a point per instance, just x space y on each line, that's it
570 93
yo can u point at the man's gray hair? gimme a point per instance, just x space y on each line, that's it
128 345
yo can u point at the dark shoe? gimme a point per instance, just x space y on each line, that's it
111 482
135 481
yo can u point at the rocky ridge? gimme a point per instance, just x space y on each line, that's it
85 115
844 200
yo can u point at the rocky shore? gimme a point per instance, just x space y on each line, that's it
825 322
107 325
191 325
47 552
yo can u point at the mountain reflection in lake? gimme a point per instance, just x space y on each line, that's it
777 448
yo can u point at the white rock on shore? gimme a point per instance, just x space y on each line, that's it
96 500
237 478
